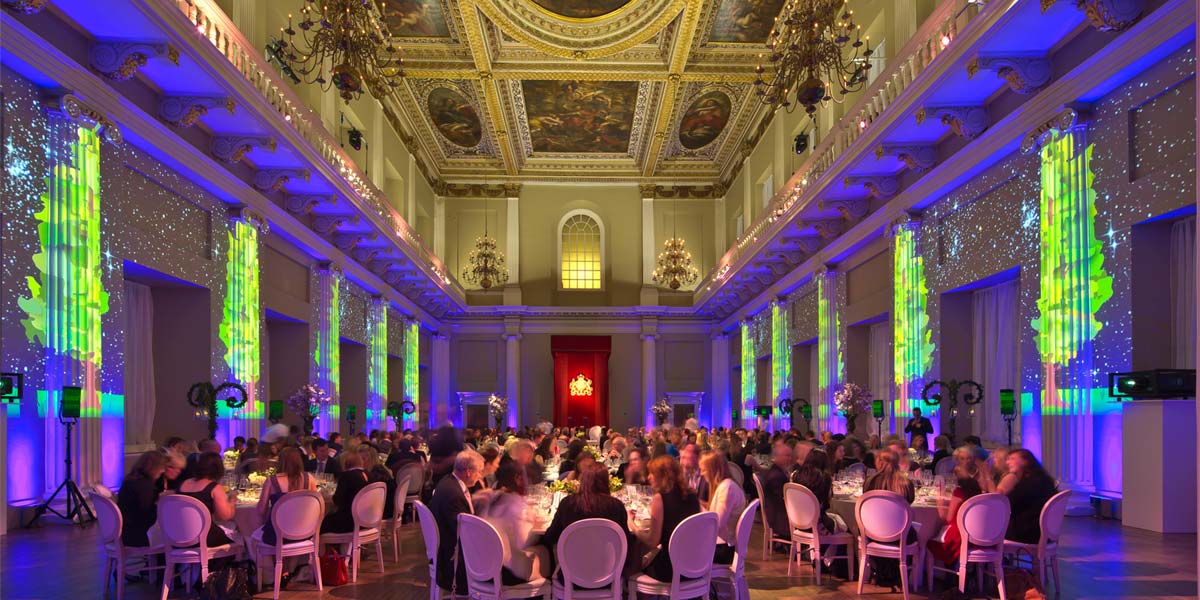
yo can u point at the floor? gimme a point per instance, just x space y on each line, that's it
1102 560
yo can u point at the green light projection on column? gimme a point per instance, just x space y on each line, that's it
781 354
829 326
65 307
328 355
377 366
240 324
912 337
1072 282
412 373
749 402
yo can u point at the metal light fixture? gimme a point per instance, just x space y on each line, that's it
675 262
813 56
485 265
348 38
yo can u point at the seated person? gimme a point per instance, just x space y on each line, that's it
1028 487
351 479
138 498
671 504
505 508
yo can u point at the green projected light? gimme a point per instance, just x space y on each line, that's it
829 326
913 339
412 372
328 355
239 329
1073 284
377 366
781 363
749 402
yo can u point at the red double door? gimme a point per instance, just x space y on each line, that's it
580 379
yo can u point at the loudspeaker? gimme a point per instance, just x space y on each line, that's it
11 387
801 143
1008 403
275 409
806 411
877 409
352 413
71 399
1156 384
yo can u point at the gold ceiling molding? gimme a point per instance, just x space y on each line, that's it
577 39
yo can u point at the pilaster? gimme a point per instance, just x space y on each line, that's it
439 368
722 409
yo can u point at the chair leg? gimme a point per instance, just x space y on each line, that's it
118 566
1054 565
904 575
791 557
278 575
315 567
850 561
862 569
766 542
962 577
999 568
168 575
379 554
816 561
396 541
355 557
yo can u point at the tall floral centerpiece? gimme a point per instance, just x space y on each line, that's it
661 410
307 402
852 400
498 407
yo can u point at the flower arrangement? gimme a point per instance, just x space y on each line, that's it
852 399
661 410
614 484
563 485
498 407
307 402
594 451
259 478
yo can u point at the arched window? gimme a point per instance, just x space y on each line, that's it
581 251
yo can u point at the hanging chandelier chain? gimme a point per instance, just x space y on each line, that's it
347 38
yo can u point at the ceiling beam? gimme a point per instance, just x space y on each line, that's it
473 27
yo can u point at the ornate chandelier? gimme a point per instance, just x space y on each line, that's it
811 52
485 265
675 265
348 36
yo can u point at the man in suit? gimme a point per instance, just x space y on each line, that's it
451 499
777 476
321 461
918 426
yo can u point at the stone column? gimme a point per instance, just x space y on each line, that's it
831 298
512 246
512 377
439 367
327 356
649 370
649 295
439 226
722 409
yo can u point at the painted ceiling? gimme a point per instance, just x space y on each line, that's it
653 91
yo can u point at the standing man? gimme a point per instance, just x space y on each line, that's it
918 426
451 499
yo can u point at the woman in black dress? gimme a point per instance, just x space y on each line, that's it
206 487
350 481
593 501
377 473
138 498
1028 487
672 503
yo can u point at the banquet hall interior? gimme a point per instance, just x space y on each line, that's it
738 299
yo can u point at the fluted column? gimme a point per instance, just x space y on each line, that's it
439 367
649 372
831 297
377 364
241 325
913 346
512 377
722 408
781 364
327 356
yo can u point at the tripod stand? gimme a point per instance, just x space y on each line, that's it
76 506
1008 419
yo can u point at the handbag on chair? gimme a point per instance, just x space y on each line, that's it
333 568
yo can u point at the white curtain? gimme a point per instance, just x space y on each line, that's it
140 400
1183 293
879 354
994 355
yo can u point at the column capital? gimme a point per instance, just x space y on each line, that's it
511 336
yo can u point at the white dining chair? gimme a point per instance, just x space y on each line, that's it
103 490
735 473
769 536
483 561
981 521
367 510
296 516
429 531
884 519
591 554
392 525
116 553
415 474
185 522
691 545
735 572
804 516
1044 554
944 466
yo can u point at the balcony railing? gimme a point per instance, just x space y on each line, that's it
934 36
215 26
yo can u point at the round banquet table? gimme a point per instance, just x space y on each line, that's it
925 514
247 519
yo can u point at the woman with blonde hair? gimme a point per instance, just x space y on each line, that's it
892 477
376 472
672 503
727 500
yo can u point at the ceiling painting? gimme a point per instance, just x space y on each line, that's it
581 9
415 18
580 116
745 21
455 117
704 120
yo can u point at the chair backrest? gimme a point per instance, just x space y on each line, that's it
883 516
744 525
415 474
398 499
737 476
184 521
483 552
594 433
944 466
803 508
591 553
429 530
109 516
367 507
692 545
297 515
983 520
860 468
103 490
1053 514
